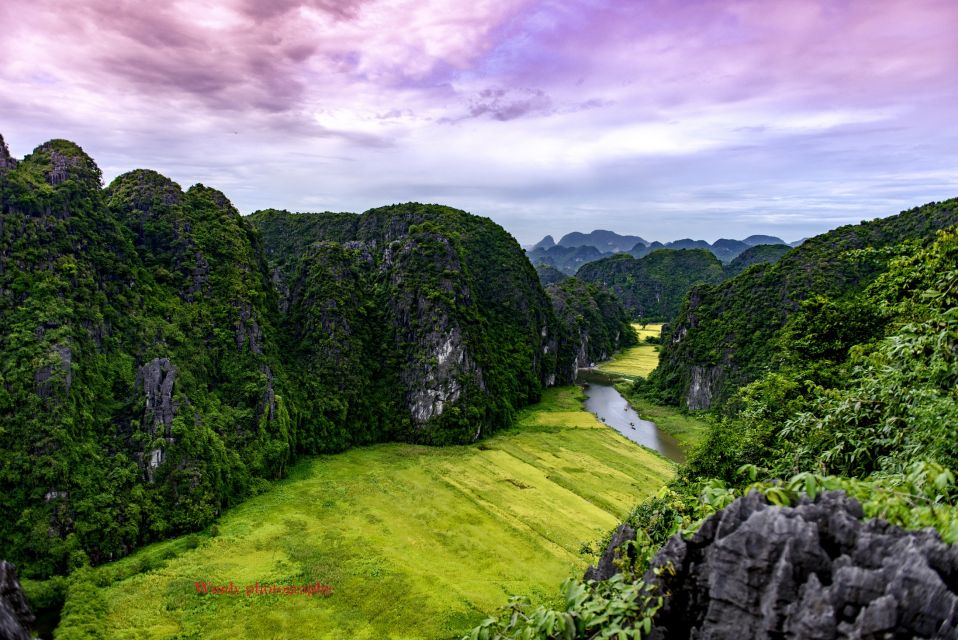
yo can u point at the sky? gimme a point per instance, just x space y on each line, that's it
661 118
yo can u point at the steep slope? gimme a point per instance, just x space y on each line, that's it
546 243
440 328
757 254
549 274
653 287
726 335
137 375
593 325
160 360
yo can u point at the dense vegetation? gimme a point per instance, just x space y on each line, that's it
549 274
857 391
728 335
652 288
757 254
163 358
594 325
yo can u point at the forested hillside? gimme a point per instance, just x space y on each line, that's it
730 334
162 357
652 288
756 254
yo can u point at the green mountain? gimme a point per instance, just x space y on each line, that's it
593 322
756 254
549 274
652 287
729 334
163 356
565 259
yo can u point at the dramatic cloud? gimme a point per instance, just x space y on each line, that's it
664 118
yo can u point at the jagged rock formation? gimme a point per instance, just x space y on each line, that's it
815 570
592 325
416 305
15 614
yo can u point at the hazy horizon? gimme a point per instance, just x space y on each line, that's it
663 119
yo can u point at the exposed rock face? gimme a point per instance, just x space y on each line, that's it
815 570
606 568
6 160
15 614
157 378
702 386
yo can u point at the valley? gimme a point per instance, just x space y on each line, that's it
416 542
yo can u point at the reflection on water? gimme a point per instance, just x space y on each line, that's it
611 408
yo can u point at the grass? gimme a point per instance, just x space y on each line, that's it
687 429
416 542
638 361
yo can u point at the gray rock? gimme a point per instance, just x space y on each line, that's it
15 614
702 387
614 551
157 378
6 160
815 570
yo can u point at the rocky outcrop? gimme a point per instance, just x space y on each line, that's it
6 160
815 570
156 378
702 386
614 553
15 614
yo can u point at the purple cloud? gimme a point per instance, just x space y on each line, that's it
639 115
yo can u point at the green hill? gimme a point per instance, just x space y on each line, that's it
728 334
757 254
163 357
652 287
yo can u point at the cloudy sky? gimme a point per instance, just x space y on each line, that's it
663 118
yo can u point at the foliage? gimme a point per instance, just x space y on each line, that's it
735 328
618 608
653 287
757 254
592 323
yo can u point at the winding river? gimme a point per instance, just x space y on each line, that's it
608 405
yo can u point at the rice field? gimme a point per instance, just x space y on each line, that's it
411 541
637 361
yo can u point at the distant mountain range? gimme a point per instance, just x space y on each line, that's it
576 249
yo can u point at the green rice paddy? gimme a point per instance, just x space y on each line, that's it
637 361
415 542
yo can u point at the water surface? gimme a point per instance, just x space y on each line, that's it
610 407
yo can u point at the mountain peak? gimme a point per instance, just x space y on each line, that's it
62 160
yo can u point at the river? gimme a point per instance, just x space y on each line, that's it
608 405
